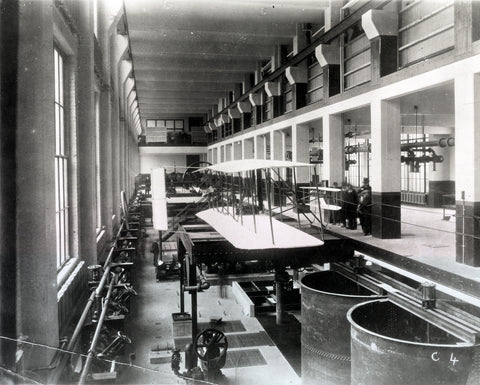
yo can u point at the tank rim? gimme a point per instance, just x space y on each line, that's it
302 285
460 345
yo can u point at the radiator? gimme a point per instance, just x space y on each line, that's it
71 297
414 197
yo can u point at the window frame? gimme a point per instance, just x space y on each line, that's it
61 161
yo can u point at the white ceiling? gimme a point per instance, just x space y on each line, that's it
189 53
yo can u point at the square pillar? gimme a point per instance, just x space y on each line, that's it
260 148
277 145
36 289
210 156
467 168
237 151
247 149
278 148
228 152
300 151
333 149
385 177
222 154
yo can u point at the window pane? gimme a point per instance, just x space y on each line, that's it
62 238
57 188
57 81
57 130
60 84
62 132
57 223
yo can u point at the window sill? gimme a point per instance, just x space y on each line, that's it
100 233
65 271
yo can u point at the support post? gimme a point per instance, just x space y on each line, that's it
281 278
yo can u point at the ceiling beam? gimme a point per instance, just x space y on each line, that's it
209 48
187 64
182 86
148 94
194 76
188 35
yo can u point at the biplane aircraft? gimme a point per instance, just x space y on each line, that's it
238 209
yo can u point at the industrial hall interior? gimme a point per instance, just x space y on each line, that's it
240 192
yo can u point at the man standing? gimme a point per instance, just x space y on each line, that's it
351 202
365 210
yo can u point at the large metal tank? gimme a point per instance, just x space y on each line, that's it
326 298
393 346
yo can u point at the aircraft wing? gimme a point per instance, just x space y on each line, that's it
245 237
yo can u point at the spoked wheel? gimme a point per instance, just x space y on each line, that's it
211 345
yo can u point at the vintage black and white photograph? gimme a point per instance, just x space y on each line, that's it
240 192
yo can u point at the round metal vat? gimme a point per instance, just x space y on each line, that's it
326 298
393 346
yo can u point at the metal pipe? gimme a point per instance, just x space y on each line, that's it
182 289
295 192
78 328
279 192
241 197
63 361
96 336
267 181
442 142
280 305
252 180
318 204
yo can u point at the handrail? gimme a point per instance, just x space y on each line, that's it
96 336
78 328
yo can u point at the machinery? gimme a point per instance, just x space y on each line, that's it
210 347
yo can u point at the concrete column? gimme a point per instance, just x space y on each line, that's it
119 47
245 109
278 149
9 44
333 149
385 177
215 155
86 138
277 145
440 180
235 118
256 100
210 155
300 40
274 92
222 153
228 152
328 55
332 14
377 25
465 27
237 151
247 149
260 147
300 151
106 161
467 168
298 79
35 182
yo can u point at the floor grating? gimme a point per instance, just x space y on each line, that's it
243 358
242 340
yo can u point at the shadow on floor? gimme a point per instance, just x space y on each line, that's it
286 337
